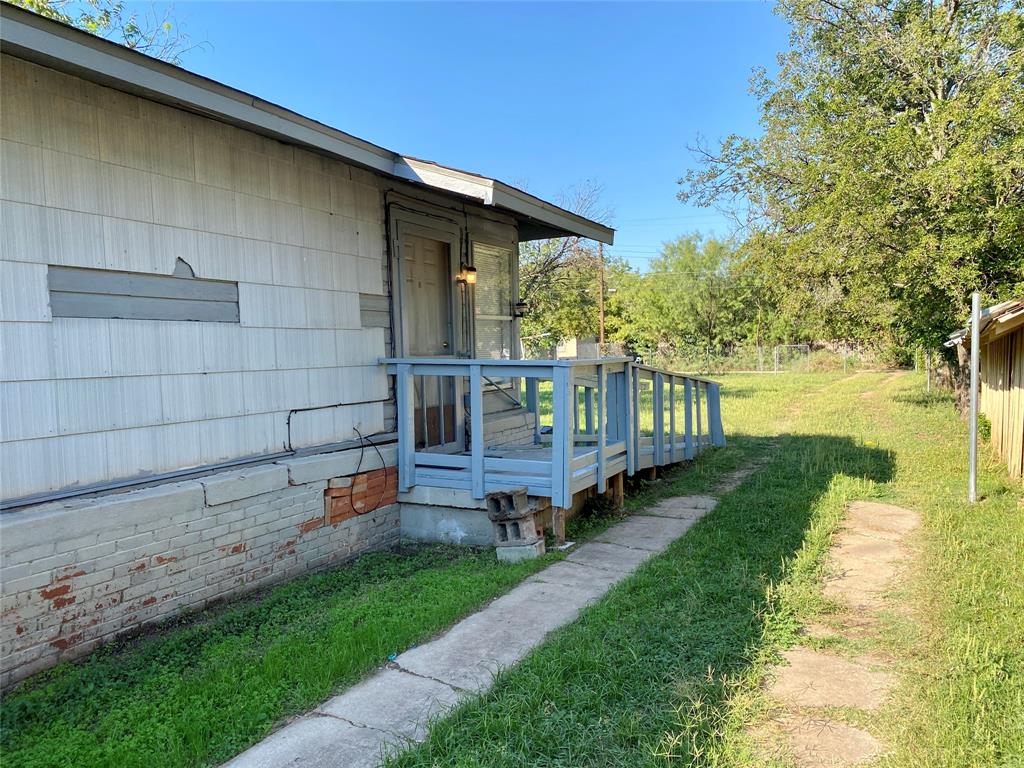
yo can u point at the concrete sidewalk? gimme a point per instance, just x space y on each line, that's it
392 710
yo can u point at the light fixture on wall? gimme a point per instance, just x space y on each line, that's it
467 275
520 308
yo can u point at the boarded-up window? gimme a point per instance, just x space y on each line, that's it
494 321
76 292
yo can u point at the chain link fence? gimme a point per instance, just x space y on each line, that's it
780 358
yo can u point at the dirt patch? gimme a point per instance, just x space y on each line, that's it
866 559
816 679
819 742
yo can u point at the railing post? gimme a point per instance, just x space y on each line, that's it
602 391
588 410
688 420
533 406
406 402
671 419
628 433
476 435
700 434
658 381
561 436
715 416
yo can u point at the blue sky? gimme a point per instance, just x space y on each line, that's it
545 95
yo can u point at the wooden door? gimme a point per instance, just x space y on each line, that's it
427 329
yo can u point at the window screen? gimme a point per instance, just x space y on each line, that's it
493 322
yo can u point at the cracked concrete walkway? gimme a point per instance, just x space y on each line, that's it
392 709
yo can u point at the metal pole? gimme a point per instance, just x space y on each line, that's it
972 476
600 300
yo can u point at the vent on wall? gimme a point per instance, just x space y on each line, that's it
77 292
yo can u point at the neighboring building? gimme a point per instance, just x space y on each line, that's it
196 289
1001 371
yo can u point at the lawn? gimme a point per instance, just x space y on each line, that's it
667 669
199 693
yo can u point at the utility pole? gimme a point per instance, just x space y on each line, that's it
600 299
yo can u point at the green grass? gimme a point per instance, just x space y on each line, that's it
200 693
668 668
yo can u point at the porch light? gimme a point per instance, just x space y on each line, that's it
521 307
467 276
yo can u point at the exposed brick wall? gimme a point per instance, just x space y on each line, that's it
77 574
361 494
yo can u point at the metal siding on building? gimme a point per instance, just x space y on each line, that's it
99 179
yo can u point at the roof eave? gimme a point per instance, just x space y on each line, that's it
52 44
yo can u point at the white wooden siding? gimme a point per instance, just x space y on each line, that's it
95 178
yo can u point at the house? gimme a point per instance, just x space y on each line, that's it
238 345
1001 372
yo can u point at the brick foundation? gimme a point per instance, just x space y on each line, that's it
77 574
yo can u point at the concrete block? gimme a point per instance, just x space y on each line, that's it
80 517
516 554
449 525
225 487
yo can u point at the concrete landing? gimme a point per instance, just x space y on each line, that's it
393 709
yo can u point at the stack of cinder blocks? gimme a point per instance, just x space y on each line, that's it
516 534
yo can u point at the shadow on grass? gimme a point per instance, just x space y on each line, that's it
638 679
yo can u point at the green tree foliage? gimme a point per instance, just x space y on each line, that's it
699 293
153 33
888 182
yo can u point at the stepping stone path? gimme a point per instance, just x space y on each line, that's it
866 557
392 710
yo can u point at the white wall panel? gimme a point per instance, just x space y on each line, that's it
26 351
254 217
131 452
266 391
180 346
24 294
305 348
81 348
270 306
23 169
20 463
83 458
371 278
285 184
201 396
362 347
259 349
28 409
222 257
93 405
135 348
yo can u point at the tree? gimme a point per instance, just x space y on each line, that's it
699 294
154 34
558 277
888 182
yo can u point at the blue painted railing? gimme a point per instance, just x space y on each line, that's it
605 416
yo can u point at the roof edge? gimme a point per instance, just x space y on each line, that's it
67 49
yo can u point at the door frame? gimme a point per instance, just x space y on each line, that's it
405 223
